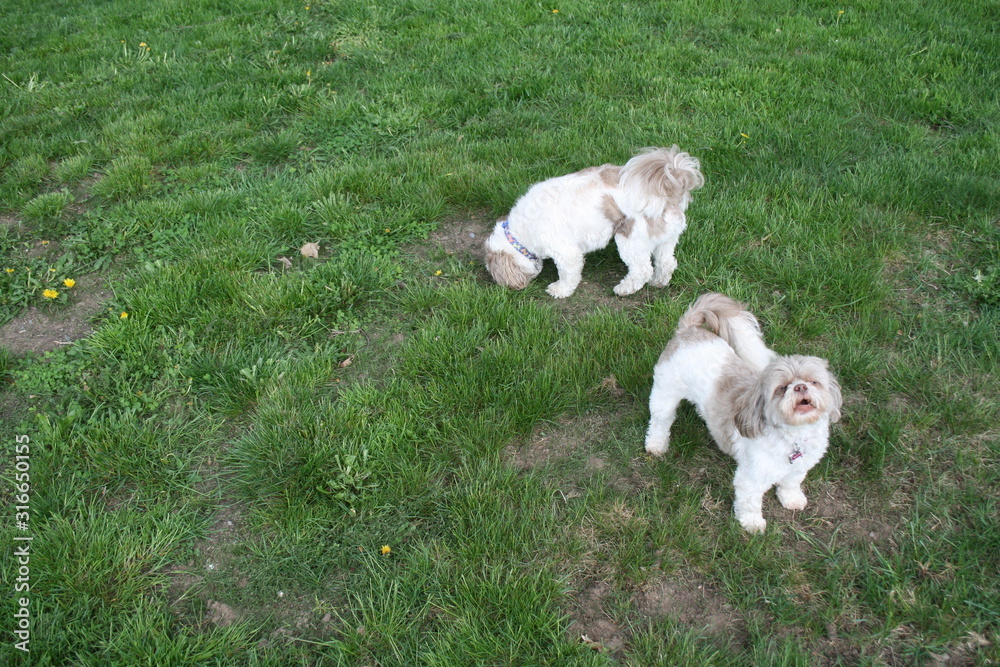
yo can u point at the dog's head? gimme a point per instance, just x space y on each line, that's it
506 265
794 391
666 173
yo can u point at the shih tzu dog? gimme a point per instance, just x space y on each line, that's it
640 204
771 413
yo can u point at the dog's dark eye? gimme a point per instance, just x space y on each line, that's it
781 389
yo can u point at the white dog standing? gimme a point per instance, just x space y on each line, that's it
640 204
771 413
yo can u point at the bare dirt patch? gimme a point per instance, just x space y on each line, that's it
573 450
10 221
833 514
693 604
221 614
42 329
214 572
462 238
591 622
547 445
213 555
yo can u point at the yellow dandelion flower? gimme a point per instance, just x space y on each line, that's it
52 270
69 282
555 11
142 44
123 316
50 294
438 272
9 270
745 136
45 242
386 550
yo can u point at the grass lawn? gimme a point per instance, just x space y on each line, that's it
234 453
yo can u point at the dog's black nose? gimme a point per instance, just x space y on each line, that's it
801 388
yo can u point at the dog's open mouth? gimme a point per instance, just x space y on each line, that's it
804 405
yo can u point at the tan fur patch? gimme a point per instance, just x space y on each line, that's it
608 173
619 223
742 408
686 338
658 226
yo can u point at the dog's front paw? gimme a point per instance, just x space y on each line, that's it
657 448
792 499
560 290
626 287
753 523
662 275
660 279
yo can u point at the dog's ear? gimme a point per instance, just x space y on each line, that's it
836 400
686 170
750 410
505 270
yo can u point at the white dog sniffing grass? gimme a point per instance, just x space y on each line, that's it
640 204
771 413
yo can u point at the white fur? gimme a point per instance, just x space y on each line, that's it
760 408
642 205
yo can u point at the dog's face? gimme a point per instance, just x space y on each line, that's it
793 390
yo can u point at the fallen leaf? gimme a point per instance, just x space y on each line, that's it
591 644
347 362
285 262
310 250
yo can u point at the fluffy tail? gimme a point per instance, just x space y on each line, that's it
731 322
664 174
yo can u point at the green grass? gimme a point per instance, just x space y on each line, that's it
247 426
